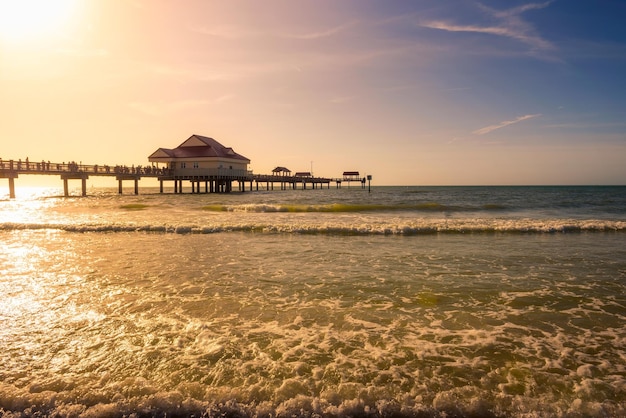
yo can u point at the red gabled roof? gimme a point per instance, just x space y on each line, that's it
199 146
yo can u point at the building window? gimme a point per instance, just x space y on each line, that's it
183 165
196 165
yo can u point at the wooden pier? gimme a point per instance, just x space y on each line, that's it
214 180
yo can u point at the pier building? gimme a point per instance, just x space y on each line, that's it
200 159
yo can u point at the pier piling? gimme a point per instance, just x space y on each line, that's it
11 188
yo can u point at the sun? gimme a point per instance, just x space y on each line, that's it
31 20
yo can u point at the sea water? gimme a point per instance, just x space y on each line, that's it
402 301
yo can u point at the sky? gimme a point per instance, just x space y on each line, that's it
425 92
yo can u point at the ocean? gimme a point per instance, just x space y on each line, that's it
399 302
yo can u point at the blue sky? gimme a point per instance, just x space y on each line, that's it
413 92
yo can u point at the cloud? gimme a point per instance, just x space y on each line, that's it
205 73
230 32
491 128
343 99
163 108
325 33
523 8
468 28
234 32
82 52
508 24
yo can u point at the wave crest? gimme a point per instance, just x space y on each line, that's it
424 228
349 208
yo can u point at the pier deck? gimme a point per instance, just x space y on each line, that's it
215 180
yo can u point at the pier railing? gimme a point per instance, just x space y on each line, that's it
46 167
290 179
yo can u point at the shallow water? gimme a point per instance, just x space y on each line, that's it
236 304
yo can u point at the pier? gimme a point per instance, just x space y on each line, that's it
202 180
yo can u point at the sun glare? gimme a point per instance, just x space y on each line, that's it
29 20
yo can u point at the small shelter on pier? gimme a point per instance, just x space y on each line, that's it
281 171
303 174
351 176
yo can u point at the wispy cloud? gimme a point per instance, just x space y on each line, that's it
234 32
491 128
587 126
196 74
370 92
230 32
82 52
158 108
323 33
342 99
508 23
450 27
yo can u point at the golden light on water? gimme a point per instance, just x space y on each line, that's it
28 203
32 296
20 297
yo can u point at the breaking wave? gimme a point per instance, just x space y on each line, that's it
348 207
173 404
424 227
